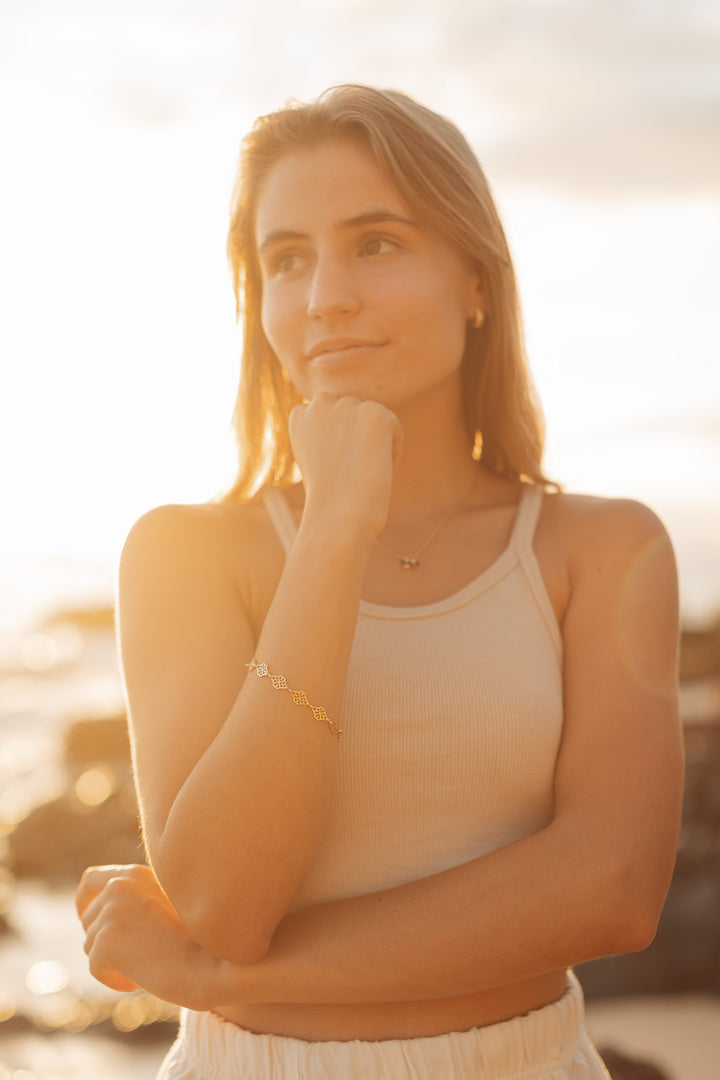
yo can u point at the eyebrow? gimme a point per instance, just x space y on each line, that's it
370 217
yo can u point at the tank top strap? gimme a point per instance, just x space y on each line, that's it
521 542
281 516
526 518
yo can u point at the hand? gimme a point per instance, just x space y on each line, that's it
347 450
135 939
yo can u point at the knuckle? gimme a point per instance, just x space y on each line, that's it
96 874
102 943
88 876
110 909
117 889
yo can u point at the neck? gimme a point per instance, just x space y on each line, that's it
436 469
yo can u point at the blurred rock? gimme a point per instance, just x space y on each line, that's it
700 653
95 820
97 739
625 1068
59 839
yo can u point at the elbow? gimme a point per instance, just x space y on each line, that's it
219 922
636 912
227 935
636 932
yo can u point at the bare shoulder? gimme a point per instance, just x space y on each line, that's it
586 542
183 549
590 527
183 526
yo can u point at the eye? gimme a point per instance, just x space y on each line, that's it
287 262
378 245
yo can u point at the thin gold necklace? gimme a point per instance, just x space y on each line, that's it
412 562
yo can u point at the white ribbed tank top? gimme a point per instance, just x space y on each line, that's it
451 718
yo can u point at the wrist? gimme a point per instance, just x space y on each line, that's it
210 984
226 982
345 532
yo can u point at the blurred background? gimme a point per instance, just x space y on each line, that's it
597 122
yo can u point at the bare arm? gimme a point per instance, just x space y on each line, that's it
233 777
591 884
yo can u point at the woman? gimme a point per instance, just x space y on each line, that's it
404 721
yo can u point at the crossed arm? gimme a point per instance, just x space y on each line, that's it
592 883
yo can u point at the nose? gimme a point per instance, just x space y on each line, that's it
332 290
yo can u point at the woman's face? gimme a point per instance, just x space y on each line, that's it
358 296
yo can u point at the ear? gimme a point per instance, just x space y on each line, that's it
477 293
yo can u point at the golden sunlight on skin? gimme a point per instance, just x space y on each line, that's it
346 270
630 617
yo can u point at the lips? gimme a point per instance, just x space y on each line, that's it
345 344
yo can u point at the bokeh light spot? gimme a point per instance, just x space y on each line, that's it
83 1015
46 977
95 785
39 652
129 1014
57 1011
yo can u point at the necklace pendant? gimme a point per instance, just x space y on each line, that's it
409 562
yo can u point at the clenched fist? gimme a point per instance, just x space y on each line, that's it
347 450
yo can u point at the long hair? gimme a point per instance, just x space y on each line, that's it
439 177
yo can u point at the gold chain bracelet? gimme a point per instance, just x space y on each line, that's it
298 696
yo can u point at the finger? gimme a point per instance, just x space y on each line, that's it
99 948
294 418
91 884
115 981
118 893
92 926
110 978
91 911
95 878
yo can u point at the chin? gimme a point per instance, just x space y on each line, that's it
348 386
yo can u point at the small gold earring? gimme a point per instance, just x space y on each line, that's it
478 318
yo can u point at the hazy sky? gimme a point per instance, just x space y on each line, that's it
597 122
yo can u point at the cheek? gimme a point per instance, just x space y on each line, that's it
440 325
283 335
269 317
280 325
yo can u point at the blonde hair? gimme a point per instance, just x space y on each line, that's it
439 177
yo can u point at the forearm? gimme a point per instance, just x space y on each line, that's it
245 825
525 909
